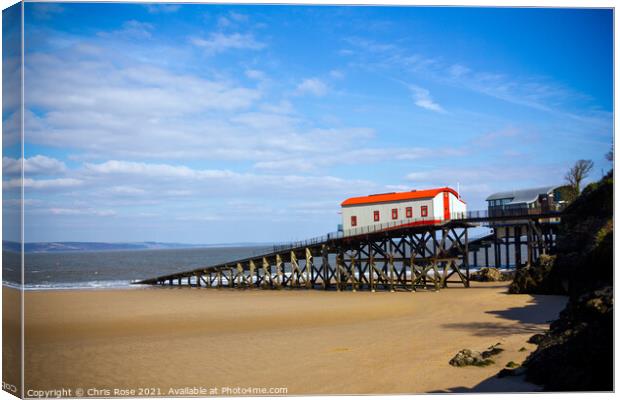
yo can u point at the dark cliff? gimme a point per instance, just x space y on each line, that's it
577 351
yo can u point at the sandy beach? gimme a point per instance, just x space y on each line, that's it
305 341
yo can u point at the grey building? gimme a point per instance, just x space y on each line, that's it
546 198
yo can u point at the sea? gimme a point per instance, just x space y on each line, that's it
111 269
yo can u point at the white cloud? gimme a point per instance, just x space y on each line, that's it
59 183
255 74
231 19
132 29
312 86
11 133
155 170
239 17
283 107
422 98
176 179
162 8
79 211
336 74
130 110
43 165
11 166
126 191
218 42
457 70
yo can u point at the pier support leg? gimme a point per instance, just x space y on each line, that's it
252 271
325 267
295 272
391 266
486 256
339 268
309 268
466 257
498 251
517 247
279 272
371 271
267 277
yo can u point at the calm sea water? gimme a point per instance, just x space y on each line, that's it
111 268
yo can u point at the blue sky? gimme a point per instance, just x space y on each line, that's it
214 124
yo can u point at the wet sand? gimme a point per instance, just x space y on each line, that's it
309 342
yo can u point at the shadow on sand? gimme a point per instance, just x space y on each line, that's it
510 384
542 309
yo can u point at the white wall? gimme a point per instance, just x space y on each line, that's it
364 212
438 206
456 205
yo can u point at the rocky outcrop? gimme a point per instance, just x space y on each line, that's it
577 351
467 357
490 275
535 279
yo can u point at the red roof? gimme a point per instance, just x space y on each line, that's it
400 196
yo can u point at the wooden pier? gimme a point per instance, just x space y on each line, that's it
399 258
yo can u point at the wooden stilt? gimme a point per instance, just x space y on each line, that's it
279 271
309 268
252 267
325 267
267 277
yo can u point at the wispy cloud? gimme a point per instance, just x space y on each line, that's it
313 86
82 211
255 74
231 19
536 92
131 29
148 170
43 184
336 74
162 8
46 10
218 42
422 98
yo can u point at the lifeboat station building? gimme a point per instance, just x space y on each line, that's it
536 200
416 207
